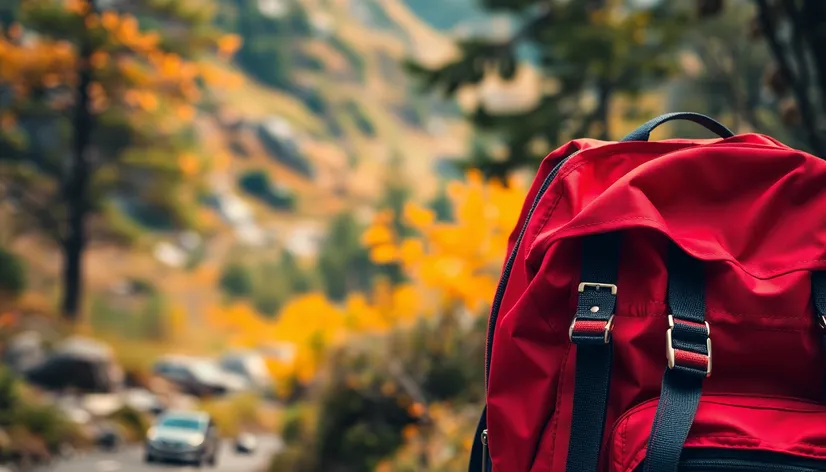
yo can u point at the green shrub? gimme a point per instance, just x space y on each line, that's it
132 422
236 280
36 430
365 401
361 120
257 184
278 281
268 303
13 277
353 58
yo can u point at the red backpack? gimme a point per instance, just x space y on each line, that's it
628 260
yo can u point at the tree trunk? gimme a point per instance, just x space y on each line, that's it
73 248
75 190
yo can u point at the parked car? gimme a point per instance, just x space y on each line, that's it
199 377
250 365
81 364
184 437
246 443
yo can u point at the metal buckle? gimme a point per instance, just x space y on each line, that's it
598 286
606 332
669 345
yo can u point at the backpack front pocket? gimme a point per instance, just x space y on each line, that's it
732 433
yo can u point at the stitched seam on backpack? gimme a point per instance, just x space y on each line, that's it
555 416
547 217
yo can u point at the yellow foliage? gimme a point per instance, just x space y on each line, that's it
383 254
189 164
185 112
177 322
446 263
418 216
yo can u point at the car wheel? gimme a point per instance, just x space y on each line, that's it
148 458
213 460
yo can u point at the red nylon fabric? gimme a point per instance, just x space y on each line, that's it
750 206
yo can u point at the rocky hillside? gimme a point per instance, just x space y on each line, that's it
319 141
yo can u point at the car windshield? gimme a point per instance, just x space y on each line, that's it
181 423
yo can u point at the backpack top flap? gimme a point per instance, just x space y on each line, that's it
744 200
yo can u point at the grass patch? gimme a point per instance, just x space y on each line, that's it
138 316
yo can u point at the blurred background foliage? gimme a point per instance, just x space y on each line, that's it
333 184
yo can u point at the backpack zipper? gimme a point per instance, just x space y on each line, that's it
485 450
506 271
734 460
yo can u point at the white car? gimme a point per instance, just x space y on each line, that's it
183 437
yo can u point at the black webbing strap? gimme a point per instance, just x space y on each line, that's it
688 351
591 332
819 297
479 458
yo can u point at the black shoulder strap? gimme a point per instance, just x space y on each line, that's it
688 350
591 333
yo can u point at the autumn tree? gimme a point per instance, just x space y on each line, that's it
588 52
98 108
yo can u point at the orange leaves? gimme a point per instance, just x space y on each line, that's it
99 59
228 45
78 7
109 20
416 410
218 77
143 99
97 97
39 61
189 164
185 112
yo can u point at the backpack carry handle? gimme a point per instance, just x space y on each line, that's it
644 131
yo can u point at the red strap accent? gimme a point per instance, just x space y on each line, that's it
690 323
594 327
691 359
